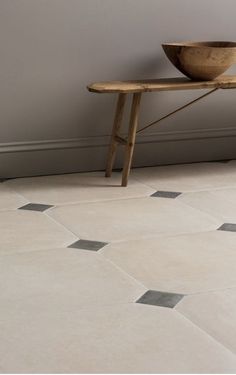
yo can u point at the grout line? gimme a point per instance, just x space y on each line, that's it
217 217
60 224
225 187
121 198
105 200
148 237
123 271
156 236
19 252
212 189
49 217
205 332
210 291
3 210
16 192
90 306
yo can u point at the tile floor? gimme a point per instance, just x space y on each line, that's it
96 278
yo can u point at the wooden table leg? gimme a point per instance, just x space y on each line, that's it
116 127
134 116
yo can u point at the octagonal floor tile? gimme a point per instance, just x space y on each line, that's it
9 199
64 279
77 187
128 338
218 203
215 313
189 263
22 230
187 177
132 218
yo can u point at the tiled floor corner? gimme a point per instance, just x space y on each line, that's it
125 219
97 278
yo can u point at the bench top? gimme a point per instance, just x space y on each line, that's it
161 84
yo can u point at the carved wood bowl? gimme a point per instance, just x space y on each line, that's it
201 60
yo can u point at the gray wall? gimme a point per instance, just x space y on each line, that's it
50 51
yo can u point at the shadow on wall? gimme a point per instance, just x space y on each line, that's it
52 106
103 105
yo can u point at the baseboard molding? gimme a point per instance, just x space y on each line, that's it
103 140
89 153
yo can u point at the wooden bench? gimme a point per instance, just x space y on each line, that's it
137 88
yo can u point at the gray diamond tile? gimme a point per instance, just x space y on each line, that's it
35 207
230 227
163 299
88 245
166 194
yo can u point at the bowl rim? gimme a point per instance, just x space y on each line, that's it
202 44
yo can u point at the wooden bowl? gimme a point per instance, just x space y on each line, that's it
201 60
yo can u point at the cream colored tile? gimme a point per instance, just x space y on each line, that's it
64 279
215 313
219 203
132 218
187 177
188 263
129 338
9 199
27 230
77 187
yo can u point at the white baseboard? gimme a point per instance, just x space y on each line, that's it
89 153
